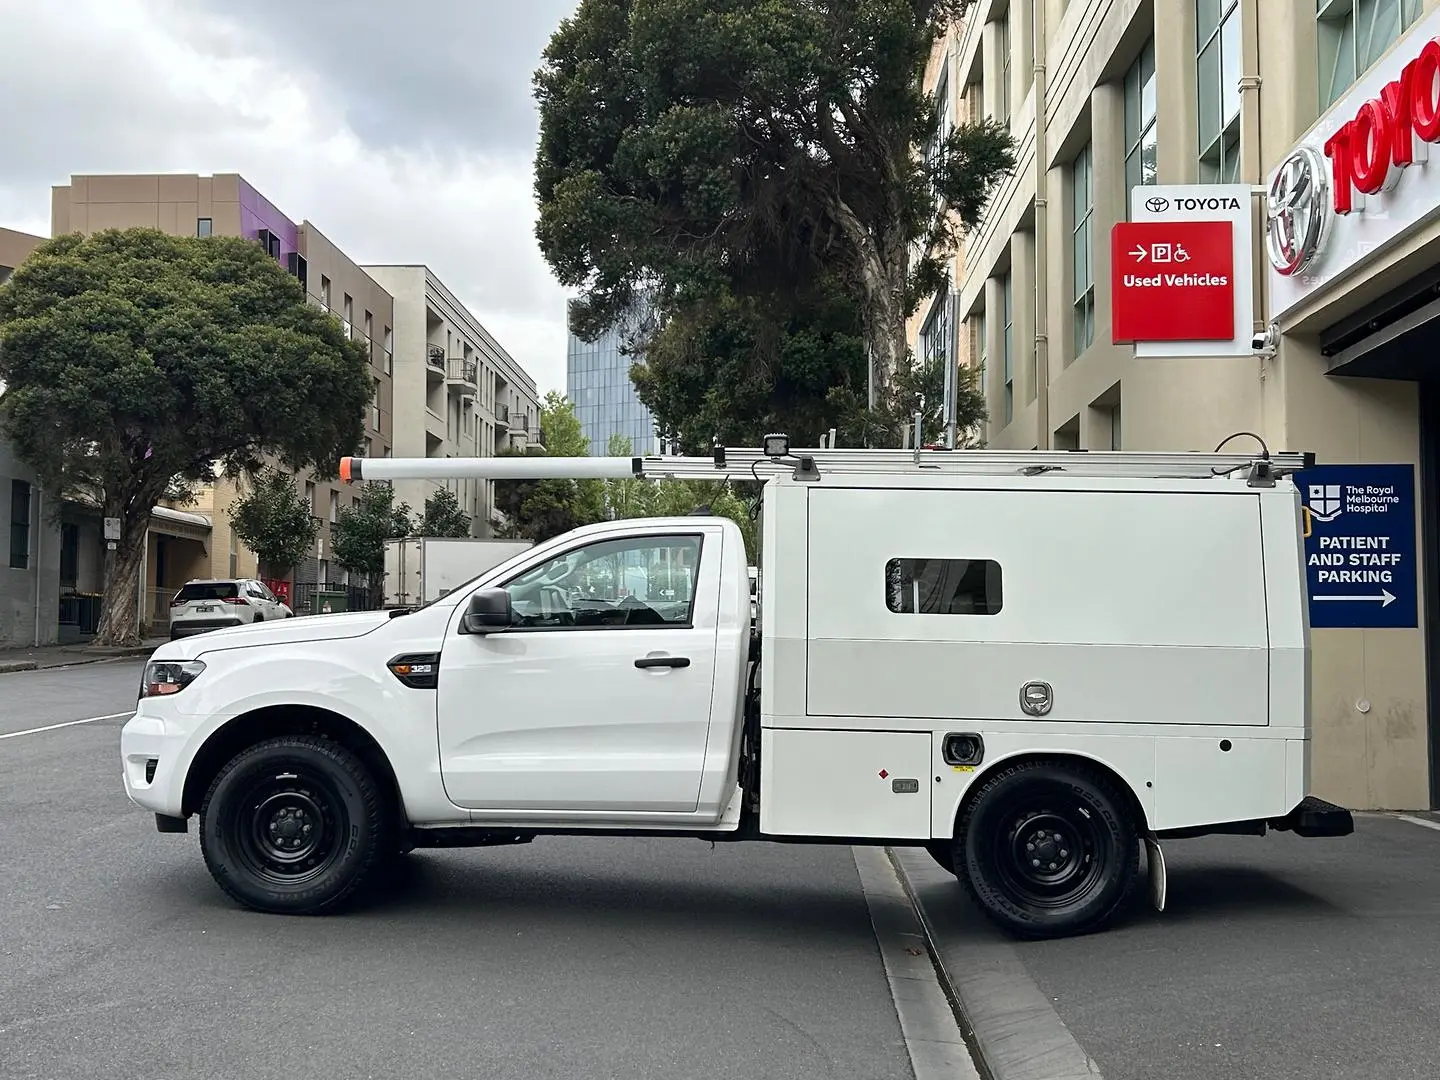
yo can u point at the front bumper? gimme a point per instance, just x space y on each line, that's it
150 761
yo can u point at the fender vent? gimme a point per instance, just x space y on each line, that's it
419 671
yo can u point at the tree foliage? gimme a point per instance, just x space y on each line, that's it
443 516
359 534
539 509
702 150
134 360
274 520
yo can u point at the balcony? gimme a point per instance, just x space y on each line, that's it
502 414
463 375
435 363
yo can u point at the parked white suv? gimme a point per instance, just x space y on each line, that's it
217 603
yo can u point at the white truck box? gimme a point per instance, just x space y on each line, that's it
419 569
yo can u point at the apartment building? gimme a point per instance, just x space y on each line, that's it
199 542
456 391
1103 96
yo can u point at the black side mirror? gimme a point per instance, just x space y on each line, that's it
488 611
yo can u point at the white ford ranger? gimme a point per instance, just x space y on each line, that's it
1032 705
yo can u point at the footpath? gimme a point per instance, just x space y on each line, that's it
59 656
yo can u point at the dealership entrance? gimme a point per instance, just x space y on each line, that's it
1397 337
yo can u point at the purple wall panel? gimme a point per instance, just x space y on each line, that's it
258 212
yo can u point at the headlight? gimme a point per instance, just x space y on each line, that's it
163 677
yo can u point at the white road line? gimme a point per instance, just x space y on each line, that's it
1420 821
67 723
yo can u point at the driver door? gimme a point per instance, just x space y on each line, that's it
598 696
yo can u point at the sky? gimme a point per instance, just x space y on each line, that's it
404 129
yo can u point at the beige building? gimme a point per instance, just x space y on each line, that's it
457 392
1104 96
200 543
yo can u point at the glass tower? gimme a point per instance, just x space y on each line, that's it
597 380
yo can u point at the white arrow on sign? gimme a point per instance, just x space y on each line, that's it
1386 598
1139 254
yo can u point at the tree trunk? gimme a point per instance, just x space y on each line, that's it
119 605
882 263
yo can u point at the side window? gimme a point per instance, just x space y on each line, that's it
943 586
636 581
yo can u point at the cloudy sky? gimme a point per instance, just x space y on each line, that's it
404 129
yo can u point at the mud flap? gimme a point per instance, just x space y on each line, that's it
1155 861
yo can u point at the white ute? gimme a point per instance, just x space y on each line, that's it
1030 664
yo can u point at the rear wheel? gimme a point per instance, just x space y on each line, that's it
294 825
1049 849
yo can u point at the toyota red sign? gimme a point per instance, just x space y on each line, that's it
1172 281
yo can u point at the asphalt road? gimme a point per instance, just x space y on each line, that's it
565 958
1277 958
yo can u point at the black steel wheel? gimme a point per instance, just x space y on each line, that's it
294 825
1050 849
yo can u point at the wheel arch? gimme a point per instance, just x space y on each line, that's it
1059 757
271 721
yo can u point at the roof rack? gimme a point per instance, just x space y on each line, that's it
805 465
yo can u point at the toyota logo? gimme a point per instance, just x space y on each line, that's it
1157 204
1296 211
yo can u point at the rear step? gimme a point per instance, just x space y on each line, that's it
1316 817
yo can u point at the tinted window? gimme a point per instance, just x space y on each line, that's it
208 590
942 586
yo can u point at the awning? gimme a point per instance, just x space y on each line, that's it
180 524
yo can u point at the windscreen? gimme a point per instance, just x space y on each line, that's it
207 590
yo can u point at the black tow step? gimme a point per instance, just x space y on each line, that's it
1316 817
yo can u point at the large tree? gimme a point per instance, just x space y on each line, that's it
274 520
132 359
443 516
358 536
695 149
539 509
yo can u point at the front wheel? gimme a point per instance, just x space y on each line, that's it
293 826
1050 849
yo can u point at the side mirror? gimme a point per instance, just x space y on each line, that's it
488 611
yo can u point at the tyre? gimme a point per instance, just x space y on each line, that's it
294 826
943 852
1049 848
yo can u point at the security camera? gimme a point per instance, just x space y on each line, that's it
1264 343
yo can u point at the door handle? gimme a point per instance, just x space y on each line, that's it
662 661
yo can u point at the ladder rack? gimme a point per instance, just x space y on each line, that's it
1260 470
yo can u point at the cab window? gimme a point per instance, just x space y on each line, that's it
636 581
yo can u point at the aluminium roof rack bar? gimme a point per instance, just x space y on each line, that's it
742 464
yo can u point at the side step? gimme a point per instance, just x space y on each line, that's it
1316 817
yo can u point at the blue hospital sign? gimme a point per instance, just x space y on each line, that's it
1359 523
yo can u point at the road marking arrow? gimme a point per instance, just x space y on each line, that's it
1139 254
1386 598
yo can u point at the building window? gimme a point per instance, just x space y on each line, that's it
1140 120
978 347
943 586
941 94
310 496
1002 48
19 525
204 226
334 507
1353 34
936 335
325 292
1007 353
234 555
1217 32
69 554
1083 203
